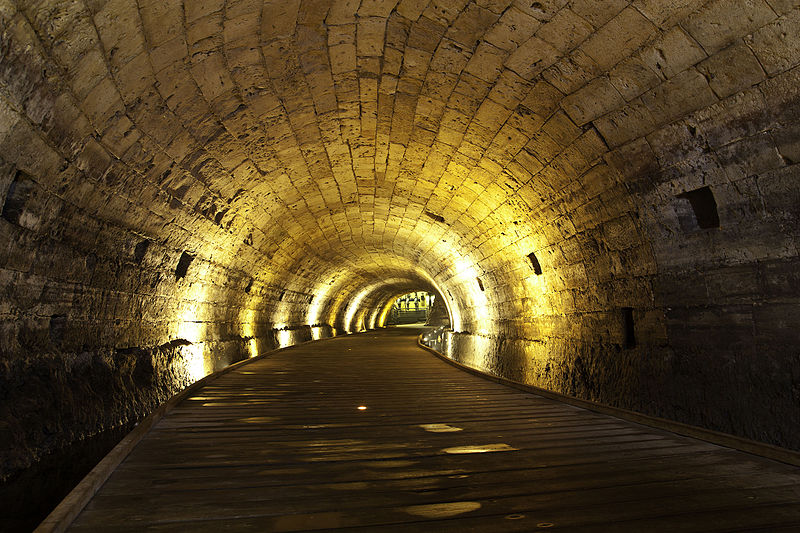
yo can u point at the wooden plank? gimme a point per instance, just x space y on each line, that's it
279 445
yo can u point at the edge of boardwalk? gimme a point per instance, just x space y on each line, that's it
761 449
71 506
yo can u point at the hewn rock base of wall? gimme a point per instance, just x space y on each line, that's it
50 401
754 397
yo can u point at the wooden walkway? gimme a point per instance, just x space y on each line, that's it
283 444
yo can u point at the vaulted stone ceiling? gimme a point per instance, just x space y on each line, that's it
309 160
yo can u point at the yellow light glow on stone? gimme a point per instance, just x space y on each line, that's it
483 314
362 408
192 328
334 311
385 312
466 273
280 317
315 309
350 324
358 324
478 356
252 346
452 311
194 362
247 318
284 337
372 321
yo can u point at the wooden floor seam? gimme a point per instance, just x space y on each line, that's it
372 433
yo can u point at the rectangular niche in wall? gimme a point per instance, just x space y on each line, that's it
434 216
183 265
140 251
703 214
627 322
480 283
537 268
17 196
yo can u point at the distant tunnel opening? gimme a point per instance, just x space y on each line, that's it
418 307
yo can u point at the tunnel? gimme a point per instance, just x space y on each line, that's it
604 195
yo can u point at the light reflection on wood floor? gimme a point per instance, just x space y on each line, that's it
282 445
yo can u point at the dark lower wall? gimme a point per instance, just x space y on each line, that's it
734 337
49 401
712 379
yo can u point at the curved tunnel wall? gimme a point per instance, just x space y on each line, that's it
183 183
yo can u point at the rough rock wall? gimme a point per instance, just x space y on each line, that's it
603 190
669 284
99 325
123 277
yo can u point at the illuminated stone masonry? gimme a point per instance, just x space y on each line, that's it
604 194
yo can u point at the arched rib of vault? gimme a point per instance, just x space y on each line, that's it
486 112
346 294
311 233
511 82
